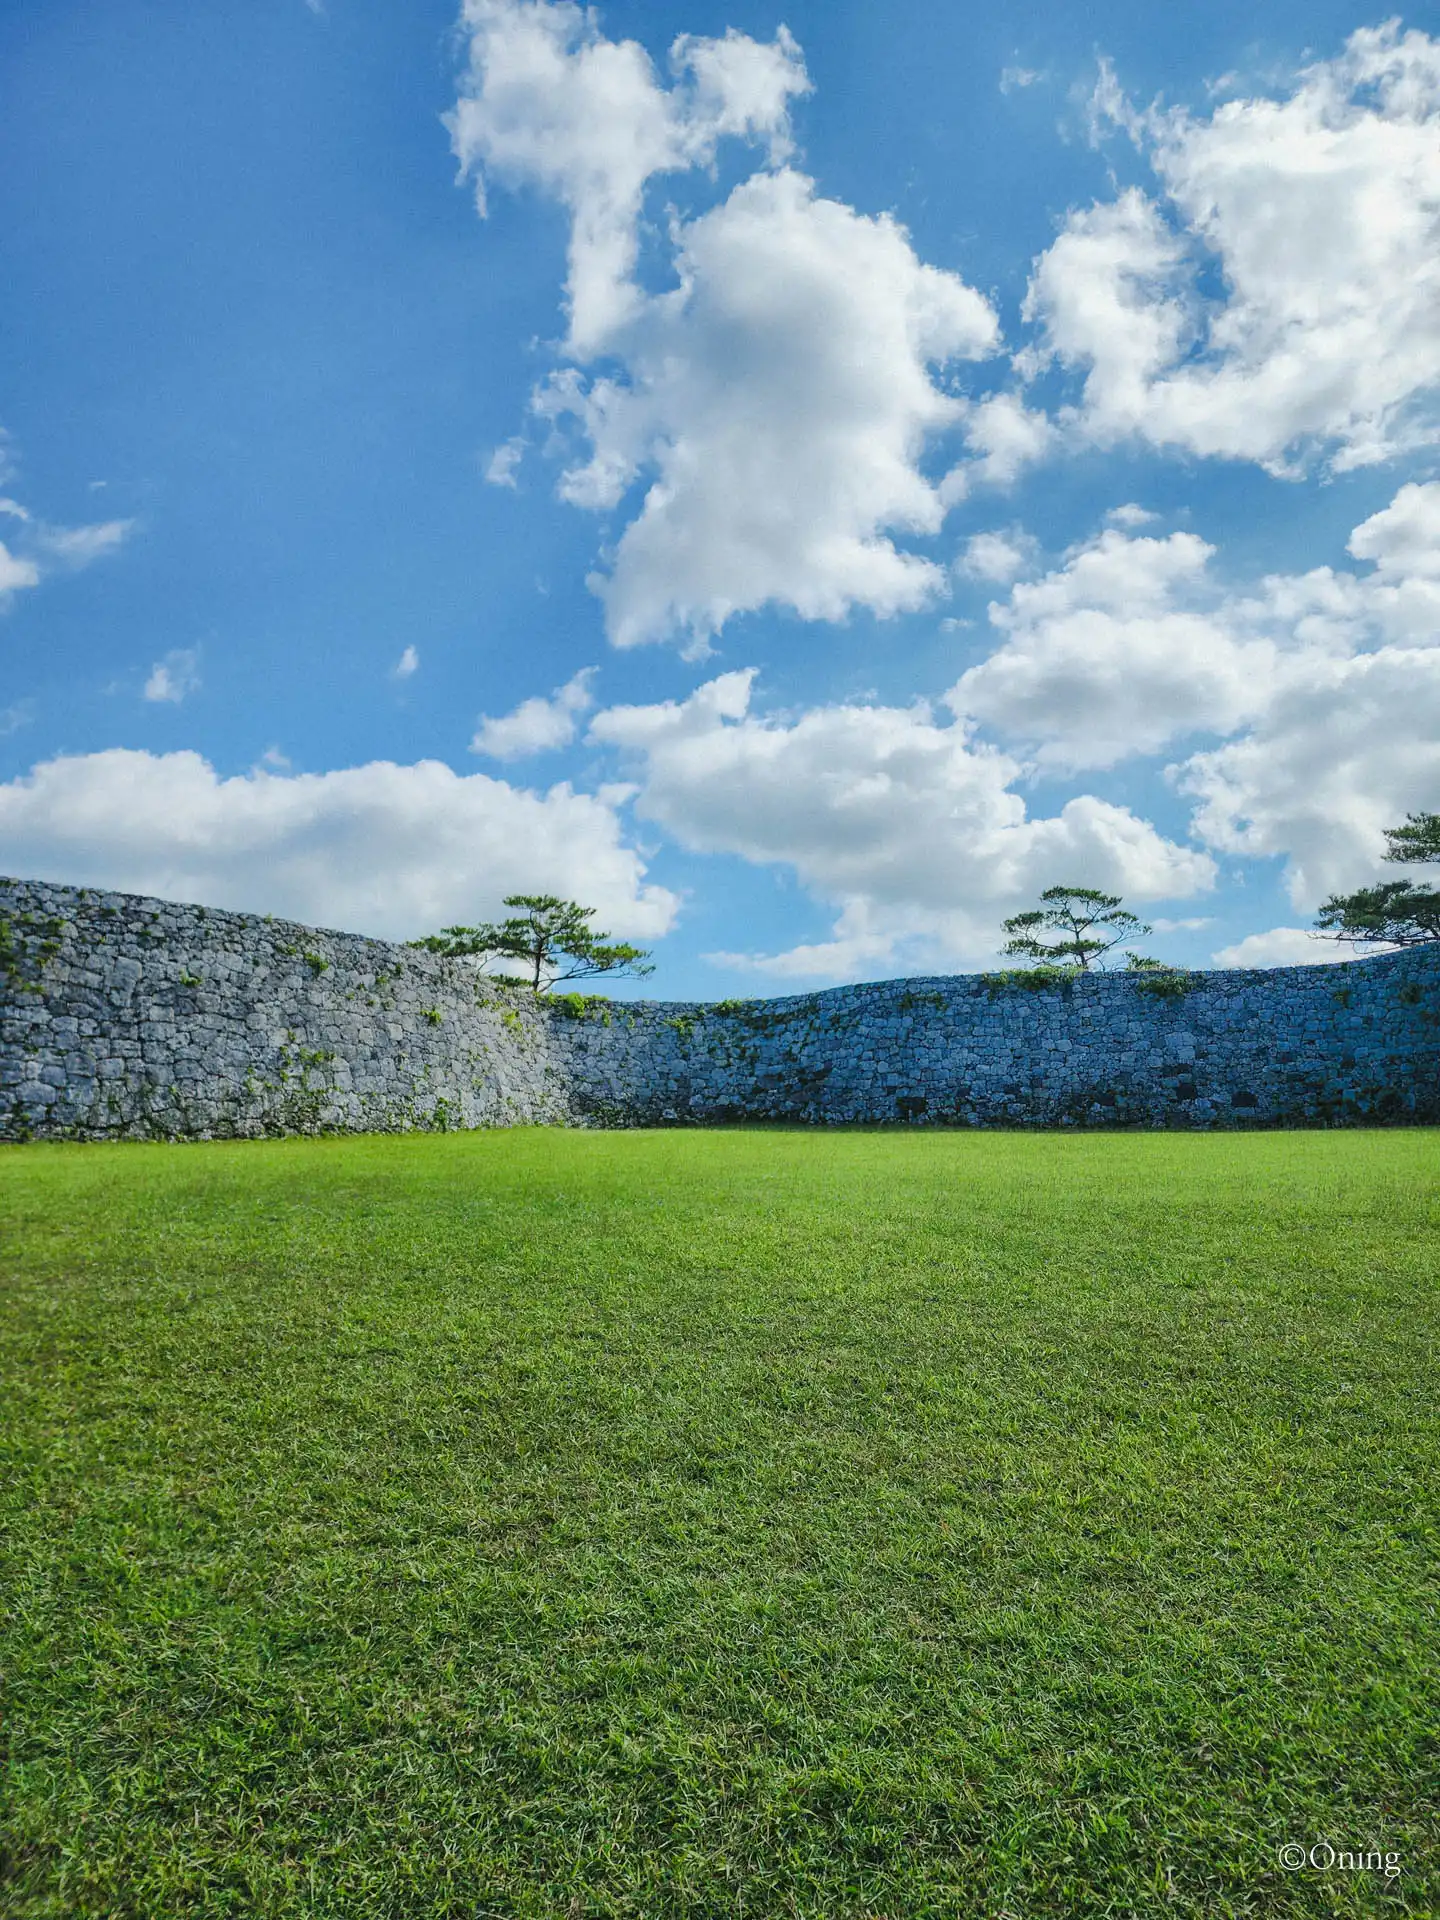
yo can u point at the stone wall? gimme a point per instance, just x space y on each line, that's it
133 1018
123 1017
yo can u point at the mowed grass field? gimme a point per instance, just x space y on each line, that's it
720 1524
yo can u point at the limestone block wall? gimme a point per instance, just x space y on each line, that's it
123 1017
1354 1044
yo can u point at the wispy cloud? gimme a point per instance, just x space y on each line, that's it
15 573
503 462
177 675
77 547
40 548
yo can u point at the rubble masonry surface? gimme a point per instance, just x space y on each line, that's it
131 1018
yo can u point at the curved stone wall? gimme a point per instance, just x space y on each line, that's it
134 1018
123 1017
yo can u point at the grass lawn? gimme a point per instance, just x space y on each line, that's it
720 1524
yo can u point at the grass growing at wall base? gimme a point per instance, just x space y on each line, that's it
834 1525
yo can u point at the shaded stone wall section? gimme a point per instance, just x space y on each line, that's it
1353 1044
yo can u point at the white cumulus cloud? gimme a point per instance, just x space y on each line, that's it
536 725
1108 656
1004 437
548 101
1403 538
1129 515
998 556
1338 755
394 851
775 403
1282 947
1318 689
1319 215
906 824
782 399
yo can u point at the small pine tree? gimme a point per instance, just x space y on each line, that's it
551 938
1087 925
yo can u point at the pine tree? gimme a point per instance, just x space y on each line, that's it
551 938
1088 925
1393 913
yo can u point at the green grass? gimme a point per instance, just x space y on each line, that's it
728 1524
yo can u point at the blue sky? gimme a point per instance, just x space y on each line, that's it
855 474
